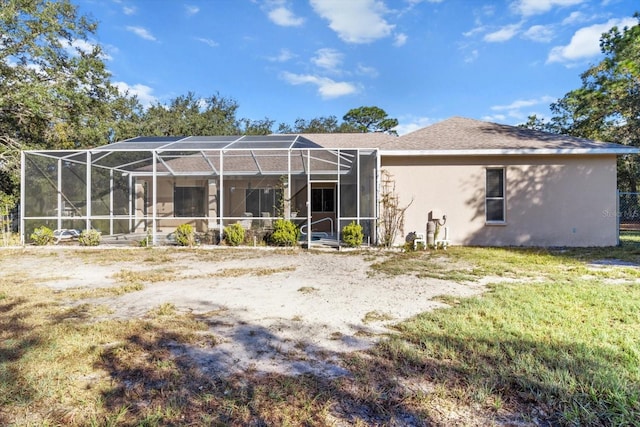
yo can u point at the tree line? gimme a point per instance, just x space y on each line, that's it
606 107
56 93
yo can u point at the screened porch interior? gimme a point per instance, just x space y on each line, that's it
150 185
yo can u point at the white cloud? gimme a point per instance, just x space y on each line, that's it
129 10
283 56
141 32
519 109
355 21
327 88
503 34
472 56
284 17
327 58
367 71
573 18
82 46
523 103
585 42
495 118
409 124
536 7
191 10
208 42
539 33
142 92
400 39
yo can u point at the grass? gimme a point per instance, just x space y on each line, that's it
554 341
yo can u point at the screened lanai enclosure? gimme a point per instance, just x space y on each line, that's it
148 186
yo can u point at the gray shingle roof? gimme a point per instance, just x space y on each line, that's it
468 135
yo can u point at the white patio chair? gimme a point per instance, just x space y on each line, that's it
419 239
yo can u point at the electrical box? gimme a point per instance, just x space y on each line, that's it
435 215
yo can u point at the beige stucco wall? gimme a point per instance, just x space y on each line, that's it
551 200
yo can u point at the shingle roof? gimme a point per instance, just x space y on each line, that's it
459 134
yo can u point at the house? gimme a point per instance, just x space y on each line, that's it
489 184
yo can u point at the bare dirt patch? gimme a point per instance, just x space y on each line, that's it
271 311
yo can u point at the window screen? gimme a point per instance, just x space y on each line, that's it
494 199
188 201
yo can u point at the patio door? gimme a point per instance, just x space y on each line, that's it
323 207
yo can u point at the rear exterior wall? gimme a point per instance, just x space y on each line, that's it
563 200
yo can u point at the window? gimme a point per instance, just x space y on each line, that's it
322 200
259 200
494 195
188 201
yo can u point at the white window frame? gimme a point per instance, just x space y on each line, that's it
488 198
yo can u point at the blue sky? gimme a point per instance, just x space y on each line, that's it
422 61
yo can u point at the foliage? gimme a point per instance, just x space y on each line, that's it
285 233
369 119
352 234
391 221
607 105
7 203
55 91
185 235
90 238
42 236
234 234
362 119
316 125
191 115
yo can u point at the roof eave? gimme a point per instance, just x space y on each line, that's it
512 152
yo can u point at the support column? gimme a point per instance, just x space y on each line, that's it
88 192
59 185
111 201
22 197
154 198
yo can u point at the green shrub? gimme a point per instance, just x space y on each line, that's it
89 238
147 241
185 235
285 233
352 234
234 234
42 236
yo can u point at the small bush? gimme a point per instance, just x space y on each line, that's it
185 235
147 241
89 238
42 236
234 234
352 234
285 233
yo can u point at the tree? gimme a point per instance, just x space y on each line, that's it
191 115
368 119
316 125
55 91
607 105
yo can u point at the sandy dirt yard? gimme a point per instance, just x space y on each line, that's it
288 312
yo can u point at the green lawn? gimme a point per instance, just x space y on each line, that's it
554 341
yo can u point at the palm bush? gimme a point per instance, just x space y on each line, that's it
234 234
285 233
185 235
352 234
42 236
89 238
